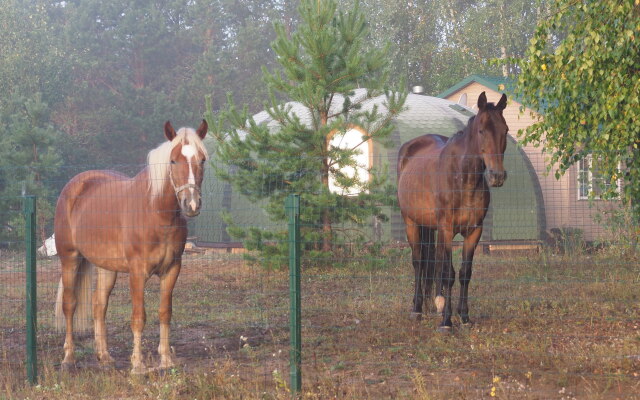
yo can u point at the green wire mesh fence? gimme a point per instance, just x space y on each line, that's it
553 299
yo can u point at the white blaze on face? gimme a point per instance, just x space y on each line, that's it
189 152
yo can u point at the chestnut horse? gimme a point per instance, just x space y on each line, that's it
443 186
135 225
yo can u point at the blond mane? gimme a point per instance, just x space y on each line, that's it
158 159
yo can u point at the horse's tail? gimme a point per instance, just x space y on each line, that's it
82 318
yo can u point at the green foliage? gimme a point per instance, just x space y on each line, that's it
135 64
623 229
234 38
128 58
438 43
581 72
33 61
322 64
35 73
110 73
29 164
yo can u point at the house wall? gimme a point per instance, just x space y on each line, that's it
562 206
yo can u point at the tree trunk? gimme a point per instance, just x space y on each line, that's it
503 49
633 213
326 214
503 56
138 68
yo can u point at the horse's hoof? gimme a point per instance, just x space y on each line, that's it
415 316
106 359
445 329
163 369
167 362
466 324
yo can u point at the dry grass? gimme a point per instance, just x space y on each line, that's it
546 327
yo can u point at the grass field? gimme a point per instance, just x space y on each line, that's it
545 327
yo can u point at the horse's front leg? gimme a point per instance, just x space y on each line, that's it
468 249
167 283
137 279
445 276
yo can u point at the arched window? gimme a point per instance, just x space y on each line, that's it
352 139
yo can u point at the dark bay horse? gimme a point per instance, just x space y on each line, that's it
133 225
443 186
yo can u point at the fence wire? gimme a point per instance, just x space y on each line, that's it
553 297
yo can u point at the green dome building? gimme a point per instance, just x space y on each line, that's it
516 212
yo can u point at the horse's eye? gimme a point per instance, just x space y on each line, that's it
173 161
202 161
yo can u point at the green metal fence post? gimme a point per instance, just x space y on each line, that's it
31 312
292 206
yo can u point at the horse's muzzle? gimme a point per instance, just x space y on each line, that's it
190 205
495 178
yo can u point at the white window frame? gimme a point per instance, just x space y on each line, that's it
587 169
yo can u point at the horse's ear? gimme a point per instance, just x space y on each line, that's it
169 132
502 104
203 129
482 101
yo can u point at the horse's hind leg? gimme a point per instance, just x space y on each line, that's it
105 282
428 237
70 264
468 249
413 237
167 283
445 276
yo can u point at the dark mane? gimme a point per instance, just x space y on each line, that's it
463 131
470 121
469 124
489 107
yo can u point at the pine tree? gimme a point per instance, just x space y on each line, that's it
29 164
322 64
